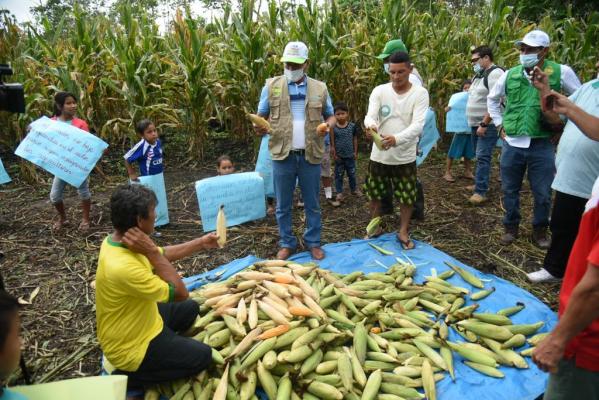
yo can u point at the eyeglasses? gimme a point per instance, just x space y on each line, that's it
475 59
530 50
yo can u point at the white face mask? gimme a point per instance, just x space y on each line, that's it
295 75
386 67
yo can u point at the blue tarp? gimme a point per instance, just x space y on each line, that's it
346 257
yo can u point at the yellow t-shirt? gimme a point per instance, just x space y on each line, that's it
127 296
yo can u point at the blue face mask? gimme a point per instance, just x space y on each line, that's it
478 69
529 60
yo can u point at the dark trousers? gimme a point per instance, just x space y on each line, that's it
565 219
169 355
387 203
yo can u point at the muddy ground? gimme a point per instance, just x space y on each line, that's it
59 325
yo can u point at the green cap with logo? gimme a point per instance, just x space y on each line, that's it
391 47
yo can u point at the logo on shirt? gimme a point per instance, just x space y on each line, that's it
276 91
385 111
549 70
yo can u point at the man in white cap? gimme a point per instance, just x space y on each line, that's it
527 136
296 106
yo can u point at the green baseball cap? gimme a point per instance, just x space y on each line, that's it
391 47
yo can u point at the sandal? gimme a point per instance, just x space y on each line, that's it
406 244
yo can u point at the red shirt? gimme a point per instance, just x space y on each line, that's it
77 123
585 346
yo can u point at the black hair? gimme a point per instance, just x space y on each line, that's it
59 99
399 57
221 159
8 308
142 125
466 82
483 51
340 106
129 202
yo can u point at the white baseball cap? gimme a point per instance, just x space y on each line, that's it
534 39
295 52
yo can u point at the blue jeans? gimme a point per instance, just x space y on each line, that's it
58 186
285 173
483 146
343 165
539 160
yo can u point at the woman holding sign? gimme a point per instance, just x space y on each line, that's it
65 108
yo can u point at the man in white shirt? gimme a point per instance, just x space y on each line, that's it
397 111
527 146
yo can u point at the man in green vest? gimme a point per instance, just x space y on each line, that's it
296 106
527 146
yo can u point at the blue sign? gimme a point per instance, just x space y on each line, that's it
4 178
264 167
61 149
455 119
156 183
430 136
241 194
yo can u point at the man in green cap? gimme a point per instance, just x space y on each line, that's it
415 79
398 45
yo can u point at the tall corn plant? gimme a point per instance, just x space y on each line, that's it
137 53
189 49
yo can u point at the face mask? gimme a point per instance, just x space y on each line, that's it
386 68
529 60
477 68
293 76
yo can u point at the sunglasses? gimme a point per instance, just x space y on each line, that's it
475 59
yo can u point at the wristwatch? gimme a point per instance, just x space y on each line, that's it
483 125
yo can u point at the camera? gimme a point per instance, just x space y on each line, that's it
12 96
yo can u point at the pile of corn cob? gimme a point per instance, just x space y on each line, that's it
301 332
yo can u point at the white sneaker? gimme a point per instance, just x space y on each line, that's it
542 276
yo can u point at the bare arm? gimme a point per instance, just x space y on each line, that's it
136 240
179 251
587 123
131 171
582 309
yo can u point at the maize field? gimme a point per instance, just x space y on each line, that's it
193 72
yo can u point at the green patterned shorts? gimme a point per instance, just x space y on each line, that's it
385 179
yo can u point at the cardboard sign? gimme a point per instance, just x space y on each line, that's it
61 149
241 194
156 183
4 178
430 136
455 119
112 387
264 167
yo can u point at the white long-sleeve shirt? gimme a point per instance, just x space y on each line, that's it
399 115
568 80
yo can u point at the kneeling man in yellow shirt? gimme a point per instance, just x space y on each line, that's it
142 304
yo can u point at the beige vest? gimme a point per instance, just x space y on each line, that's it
281 119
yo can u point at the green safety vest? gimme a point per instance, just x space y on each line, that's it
522 116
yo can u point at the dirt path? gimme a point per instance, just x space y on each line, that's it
59 327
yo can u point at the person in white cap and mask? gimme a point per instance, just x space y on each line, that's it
528 146
296 107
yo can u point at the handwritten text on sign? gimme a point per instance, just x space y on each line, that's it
241 194
455 119
61 149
